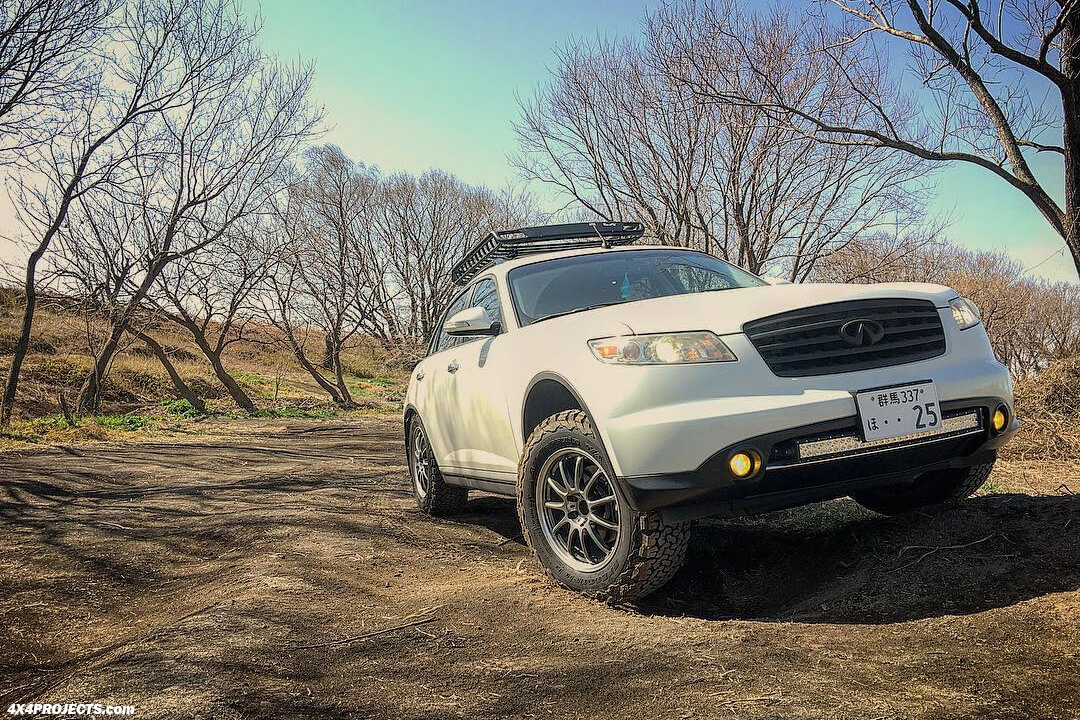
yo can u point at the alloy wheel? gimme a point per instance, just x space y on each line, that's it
578 509
421 463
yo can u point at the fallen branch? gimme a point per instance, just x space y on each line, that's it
366 636
931 550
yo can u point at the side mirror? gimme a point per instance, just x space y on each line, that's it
471 321
773 280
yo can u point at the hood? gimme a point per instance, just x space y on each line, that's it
725 311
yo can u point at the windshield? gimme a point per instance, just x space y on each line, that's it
565 285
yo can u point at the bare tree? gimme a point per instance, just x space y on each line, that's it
45 51
427 223
610 134
211 162
619 132
185 391
209 294
159 52
331 277
995 83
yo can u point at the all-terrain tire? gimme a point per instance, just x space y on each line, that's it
647 552
932 488
436 498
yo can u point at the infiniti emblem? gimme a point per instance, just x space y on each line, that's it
862 332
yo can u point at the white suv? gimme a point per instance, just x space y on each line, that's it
620 392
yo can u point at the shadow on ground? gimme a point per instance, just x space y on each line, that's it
837 562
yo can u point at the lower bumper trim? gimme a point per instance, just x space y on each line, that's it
787 481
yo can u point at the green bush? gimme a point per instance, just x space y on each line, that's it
179 408
128 421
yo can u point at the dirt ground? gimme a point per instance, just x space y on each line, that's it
286 573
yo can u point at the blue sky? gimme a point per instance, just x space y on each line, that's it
421 84
414 85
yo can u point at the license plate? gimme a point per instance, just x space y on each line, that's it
902 410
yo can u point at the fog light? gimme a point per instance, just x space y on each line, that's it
743 464
999 419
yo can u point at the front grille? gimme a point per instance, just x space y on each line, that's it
809 342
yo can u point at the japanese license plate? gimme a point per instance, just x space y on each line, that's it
902 410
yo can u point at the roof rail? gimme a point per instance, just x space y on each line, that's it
507 244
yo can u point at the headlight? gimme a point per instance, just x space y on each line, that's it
964 312
662 349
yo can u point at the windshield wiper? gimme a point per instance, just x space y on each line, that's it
580 309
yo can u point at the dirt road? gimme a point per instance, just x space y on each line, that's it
288 574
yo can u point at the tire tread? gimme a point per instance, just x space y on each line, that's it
658 549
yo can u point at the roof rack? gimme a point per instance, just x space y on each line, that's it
508 244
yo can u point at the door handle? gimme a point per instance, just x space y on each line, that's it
452 367
421 375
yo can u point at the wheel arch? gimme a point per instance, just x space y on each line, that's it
547 394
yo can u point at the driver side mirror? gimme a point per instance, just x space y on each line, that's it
774 280
471 321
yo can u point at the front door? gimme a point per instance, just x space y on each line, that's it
482 439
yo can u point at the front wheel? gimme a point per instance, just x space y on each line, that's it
930 488
578 523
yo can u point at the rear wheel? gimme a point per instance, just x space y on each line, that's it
432 493
578 523
932 488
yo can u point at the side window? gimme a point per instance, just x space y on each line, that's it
691 278
486 296
445 341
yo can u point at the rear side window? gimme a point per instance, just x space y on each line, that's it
486 296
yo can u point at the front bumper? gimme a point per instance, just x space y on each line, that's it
787 481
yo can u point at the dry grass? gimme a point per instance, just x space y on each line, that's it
138 386
1048 406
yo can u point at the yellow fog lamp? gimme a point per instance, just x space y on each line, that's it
1000 418
744 463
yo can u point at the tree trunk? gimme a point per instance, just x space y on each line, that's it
328 358
1070 96
11 387
241 398
178 382
90 392
343 387
313 371
213 356
89 400
22 346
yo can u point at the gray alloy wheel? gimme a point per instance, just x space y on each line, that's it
579 510
432 493
577 519
422 463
